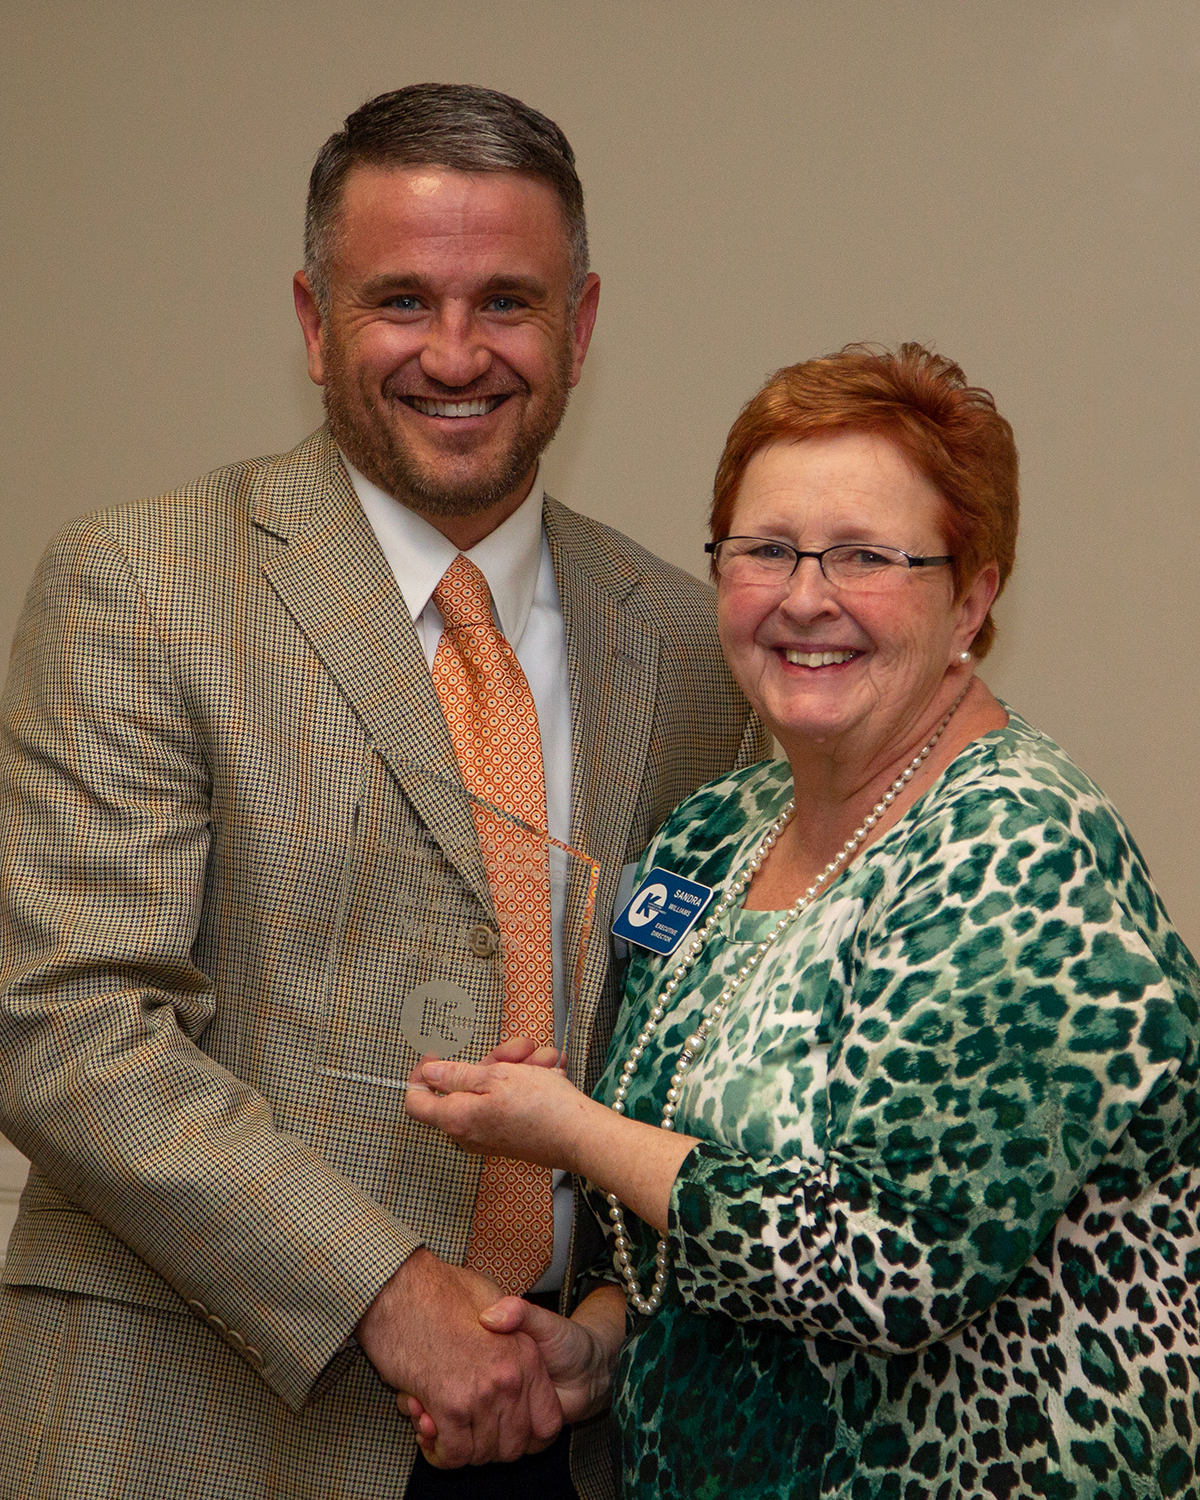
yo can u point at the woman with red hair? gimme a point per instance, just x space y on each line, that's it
897 1150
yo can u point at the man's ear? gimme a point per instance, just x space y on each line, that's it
310 321
585 321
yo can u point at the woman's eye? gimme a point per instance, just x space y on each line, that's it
770 552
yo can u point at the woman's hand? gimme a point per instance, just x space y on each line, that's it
523 1109
580 1354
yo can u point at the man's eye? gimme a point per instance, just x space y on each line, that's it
405 303
503 304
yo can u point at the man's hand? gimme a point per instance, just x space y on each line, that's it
487 1391
580 1353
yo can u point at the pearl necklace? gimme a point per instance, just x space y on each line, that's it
622 1257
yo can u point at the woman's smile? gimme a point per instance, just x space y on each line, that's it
818 656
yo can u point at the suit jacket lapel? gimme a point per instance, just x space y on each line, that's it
335 583
612 657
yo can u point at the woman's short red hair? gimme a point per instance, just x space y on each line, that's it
949 431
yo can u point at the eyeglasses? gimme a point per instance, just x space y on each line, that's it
865 568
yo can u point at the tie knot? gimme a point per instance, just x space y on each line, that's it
463 596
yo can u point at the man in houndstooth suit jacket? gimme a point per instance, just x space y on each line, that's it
232 843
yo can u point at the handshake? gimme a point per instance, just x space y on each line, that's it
485 1377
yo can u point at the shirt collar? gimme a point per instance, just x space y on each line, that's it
419 554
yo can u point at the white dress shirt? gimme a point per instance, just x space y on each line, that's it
515 560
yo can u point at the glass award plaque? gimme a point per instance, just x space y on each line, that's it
417 962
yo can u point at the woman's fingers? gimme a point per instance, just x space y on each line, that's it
451 1077
442 1099
505 1316
515 1050
423 1424
522 1049
544 1057
556 1337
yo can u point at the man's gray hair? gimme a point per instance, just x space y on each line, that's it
450 125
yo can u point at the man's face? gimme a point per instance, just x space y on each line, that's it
448 348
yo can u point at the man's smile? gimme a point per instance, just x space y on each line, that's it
480 406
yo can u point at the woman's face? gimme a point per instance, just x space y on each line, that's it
893 648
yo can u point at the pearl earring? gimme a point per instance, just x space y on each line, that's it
964 657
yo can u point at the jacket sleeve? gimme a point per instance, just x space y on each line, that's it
104 836
1000 1045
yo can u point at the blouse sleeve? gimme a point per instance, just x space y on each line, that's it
1019 1017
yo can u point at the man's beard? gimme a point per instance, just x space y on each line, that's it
365 435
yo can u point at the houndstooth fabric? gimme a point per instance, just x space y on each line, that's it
230 846
493 725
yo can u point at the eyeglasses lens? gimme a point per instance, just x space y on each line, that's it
750 562
874 568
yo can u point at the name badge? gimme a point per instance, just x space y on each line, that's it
663 910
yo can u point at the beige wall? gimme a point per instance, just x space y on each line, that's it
13 1168
766 180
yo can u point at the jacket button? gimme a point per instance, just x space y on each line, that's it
236 1339
217 1323
198 1307
482 941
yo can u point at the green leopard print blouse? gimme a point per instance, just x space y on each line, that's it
940 1239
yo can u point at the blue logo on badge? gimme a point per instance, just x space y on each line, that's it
664 908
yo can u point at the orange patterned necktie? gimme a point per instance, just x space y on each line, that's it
494 729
